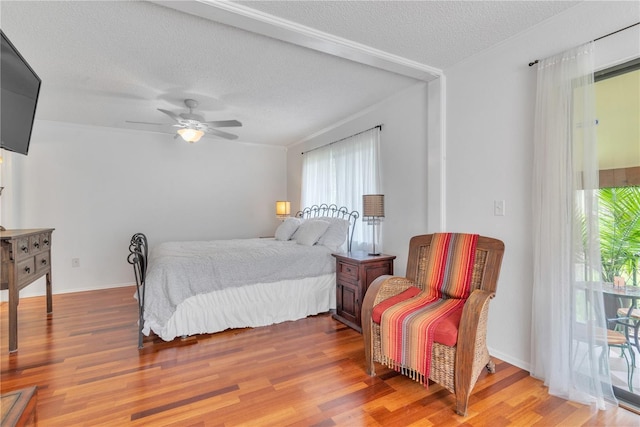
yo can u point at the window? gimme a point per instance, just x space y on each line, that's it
618 130
618 133
341 173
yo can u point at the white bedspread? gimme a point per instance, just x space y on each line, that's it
249 306
179 270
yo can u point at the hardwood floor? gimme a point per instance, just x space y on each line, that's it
85 362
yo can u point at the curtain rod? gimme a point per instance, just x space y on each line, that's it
342 139
595 40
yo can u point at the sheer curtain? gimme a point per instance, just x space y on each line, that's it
568 311
341 173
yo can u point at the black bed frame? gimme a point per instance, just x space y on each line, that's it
138 254
139 250
332 211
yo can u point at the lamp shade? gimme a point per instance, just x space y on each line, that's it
373 205
190 135
283 209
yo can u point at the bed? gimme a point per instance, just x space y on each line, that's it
201 287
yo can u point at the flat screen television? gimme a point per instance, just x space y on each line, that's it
20 87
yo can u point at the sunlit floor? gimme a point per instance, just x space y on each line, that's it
619 369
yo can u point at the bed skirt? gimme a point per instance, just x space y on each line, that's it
255 305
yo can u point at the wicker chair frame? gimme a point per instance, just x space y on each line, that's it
455 368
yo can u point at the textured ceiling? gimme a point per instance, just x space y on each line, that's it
106 63
437 33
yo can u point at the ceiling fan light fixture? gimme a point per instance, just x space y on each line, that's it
190 135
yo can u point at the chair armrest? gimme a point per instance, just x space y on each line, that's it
380 289
472 330
386 286
469 322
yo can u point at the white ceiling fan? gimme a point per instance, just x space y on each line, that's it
193 126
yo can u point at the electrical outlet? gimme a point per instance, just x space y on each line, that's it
75 262
498 208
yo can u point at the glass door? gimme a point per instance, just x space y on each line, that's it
618 134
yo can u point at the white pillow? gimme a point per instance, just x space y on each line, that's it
336 234
309 232
287 228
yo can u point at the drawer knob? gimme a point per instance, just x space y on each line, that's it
36 245
25 249
27 270
46 241
43 262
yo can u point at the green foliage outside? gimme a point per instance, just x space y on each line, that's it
619 222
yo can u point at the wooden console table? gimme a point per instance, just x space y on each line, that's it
26 256
19 407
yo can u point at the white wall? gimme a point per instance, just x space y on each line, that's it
82 182
490 113
403 146
98 186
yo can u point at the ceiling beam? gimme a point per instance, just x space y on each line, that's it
258 22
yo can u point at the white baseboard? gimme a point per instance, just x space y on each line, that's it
511 360
4 295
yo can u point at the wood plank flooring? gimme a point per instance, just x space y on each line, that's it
88 370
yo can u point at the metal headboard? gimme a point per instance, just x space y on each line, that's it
138 254
332 211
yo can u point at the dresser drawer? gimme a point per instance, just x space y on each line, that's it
23 248
45 241
347 271
43 261
34 243
26 269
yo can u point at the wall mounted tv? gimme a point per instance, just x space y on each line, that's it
20 87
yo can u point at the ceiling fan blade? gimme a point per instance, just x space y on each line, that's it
145 123
171 114
224 123
221 134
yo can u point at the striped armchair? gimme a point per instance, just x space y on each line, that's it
456 367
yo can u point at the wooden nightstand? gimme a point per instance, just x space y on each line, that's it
354 273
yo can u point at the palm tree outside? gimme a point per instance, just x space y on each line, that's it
619 222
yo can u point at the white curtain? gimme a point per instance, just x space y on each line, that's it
568 315
341 173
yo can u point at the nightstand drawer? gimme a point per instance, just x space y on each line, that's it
347 271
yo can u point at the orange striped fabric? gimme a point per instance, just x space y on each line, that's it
407 328
450 264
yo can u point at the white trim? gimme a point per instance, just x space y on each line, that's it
258 22
518 363
443 152
39 291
